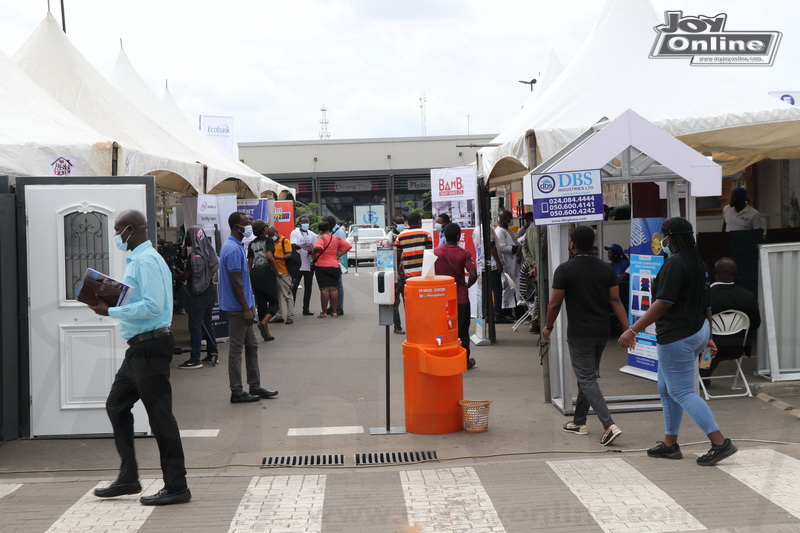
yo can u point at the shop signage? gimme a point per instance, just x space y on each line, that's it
567 197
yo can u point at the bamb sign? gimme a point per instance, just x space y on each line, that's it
453 184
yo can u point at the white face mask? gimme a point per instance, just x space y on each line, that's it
304 227
437 227
247 231
119 243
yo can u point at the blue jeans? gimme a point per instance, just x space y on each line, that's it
199 309
677 362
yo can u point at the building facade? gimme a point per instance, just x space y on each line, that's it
341 174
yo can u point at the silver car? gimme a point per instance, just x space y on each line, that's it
368 241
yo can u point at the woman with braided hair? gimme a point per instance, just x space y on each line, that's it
682 314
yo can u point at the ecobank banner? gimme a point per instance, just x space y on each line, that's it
220 130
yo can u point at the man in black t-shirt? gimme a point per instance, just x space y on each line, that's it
591 290
264 277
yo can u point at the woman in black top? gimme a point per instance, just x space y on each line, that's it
682 314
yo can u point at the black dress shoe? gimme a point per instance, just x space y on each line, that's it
339 311
470 363
264 393
276 321
243 397
118 489
166 497
306 312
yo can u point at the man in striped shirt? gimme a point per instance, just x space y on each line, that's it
411 244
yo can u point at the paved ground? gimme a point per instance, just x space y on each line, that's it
524 474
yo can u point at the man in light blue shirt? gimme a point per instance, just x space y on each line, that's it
144 374
236 299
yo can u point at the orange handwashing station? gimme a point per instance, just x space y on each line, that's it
433 358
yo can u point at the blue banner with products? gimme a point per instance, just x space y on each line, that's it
646 261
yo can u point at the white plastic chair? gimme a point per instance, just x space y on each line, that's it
730 322
521 300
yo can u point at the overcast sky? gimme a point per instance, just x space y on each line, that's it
272 64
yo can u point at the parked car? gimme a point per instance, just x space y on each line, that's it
369 238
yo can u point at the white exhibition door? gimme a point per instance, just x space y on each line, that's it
74 353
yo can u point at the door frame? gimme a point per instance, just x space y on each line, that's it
22 266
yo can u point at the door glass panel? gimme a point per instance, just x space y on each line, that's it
85 246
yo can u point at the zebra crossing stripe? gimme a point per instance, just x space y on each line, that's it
448 499
8 488
620 499
773 475
93 514
285 503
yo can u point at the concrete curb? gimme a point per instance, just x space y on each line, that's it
778 404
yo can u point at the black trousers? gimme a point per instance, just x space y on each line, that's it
307 276
463 325
265 292
398 297
144 375
496 284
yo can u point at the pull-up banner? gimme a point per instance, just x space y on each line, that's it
567 197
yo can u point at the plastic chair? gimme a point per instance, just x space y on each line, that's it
730 322
526 300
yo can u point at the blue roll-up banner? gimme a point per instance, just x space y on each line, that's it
646 260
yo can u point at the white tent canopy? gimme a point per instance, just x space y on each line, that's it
221 166
51 60
37 131
266 185
510 142
613 72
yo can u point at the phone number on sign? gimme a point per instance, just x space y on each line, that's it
570 212
564 207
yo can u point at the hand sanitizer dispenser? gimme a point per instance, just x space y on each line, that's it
383 287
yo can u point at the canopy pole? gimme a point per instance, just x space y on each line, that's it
63 17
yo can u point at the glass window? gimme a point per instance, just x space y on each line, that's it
85 246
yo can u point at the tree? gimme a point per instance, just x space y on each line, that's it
309 210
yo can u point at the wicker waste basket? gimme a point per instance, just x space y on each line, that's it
476 415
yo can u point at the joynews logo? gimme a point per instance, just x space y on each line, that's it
705 40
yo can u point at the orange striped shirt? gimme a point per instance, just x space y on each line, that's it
412 244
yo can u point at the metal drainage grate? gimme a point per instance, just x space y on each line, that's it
302 460
389 458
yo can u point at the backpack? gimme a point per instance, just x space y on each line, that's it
293 260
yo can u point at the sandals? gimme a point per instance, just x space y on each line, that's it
334 315
322 315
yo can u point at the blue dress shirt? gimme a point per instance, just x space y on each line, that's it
149 306
233 258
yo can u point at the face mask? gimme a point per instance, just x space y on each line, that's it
399 227
437 227
274 238
119 243
247 231
304 227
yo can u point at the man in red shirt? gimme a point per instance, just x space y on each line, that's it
452 260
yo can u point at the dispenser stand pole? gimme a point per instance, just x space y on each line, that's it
388 430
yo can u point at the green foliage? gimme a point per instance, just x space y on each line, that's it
309 210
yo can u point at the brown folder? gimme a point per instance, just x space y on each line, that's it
93 289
